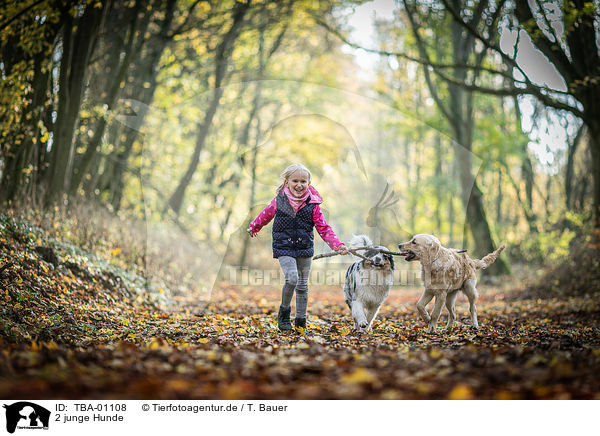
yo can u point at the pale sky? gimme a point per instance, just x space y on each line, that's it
545 142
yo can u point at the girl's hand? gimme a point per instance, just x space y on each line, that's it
251 233
342 249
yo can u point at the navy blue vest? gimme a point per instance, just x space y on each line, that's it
293 232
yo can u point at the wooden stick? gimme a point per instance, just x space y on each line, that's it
354 251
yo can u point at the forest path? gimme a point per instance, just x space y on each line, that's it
101 346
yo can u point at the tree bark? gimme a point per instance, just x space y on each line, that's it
570 168
439 191
256 105
451 204
460 108
499 198
21 164
119 71
595 151
224 50
142 77
79 37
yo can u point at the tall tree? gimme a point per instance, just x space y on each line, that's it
26 45
567 35
165 21
458 110
119 49
79 36
455 102
222 55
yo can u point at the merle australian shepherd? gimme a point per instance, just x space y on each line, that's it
367 283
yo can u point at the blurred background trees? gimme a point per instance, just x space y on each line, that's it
186 111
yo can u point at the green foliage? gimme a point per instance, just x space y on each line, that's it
20 230
555 245
547 247
310 107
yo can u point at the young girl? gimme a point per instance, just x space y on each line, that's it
296 210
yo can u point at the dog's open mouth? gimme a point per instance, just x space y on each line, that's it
409 255
374 264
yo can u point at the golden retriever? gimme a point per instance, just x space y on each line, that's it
444 272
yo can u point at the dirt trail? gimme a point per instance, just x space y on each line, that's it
231 349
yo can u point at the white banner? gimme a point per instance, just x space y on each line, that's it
302 418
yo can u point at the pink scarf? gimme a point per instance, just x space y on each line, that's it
295 202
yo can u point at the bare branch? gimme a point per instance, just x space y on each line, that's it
379 250
528 88
278 41
484 41
405 56
355 252
547 22
21 12
475 20
534 90
423 53
553 51
180 28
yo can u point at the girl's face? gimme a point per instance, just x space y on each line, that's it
297 183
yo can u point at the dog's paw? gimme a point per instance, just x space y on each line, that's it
430 329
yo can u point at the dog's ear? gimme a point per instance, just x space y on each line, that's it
390 258
431 249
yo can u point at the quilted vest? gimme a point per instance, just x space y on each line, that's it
293 232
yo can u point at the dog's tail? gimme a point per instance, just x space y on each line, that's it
487 260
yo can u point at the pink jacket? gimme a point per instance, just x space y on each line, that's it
324 229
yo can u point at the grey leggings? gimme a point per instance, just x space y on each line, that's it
296 272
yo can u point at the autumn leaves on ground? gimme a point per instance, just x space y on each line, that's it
71 328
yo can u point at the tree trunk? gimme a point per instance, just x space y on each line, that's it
143 78
79 38
451 205
119 72
595 151
21 167
224 50
246 240
439 191
458 111
569 173
461 107
256 105
499 198
408 162
476 217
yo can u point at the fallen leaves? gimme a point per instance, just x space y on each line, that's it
65 333
359 375
461 392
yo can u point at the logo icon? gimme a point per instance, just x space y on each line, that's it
26 415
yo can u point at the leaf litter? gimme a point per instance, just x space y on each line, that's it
74 332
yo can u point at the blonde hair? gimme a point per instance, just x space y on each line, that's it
291 170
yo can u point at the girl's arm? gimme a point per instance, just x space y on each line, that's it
325 230
263 218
